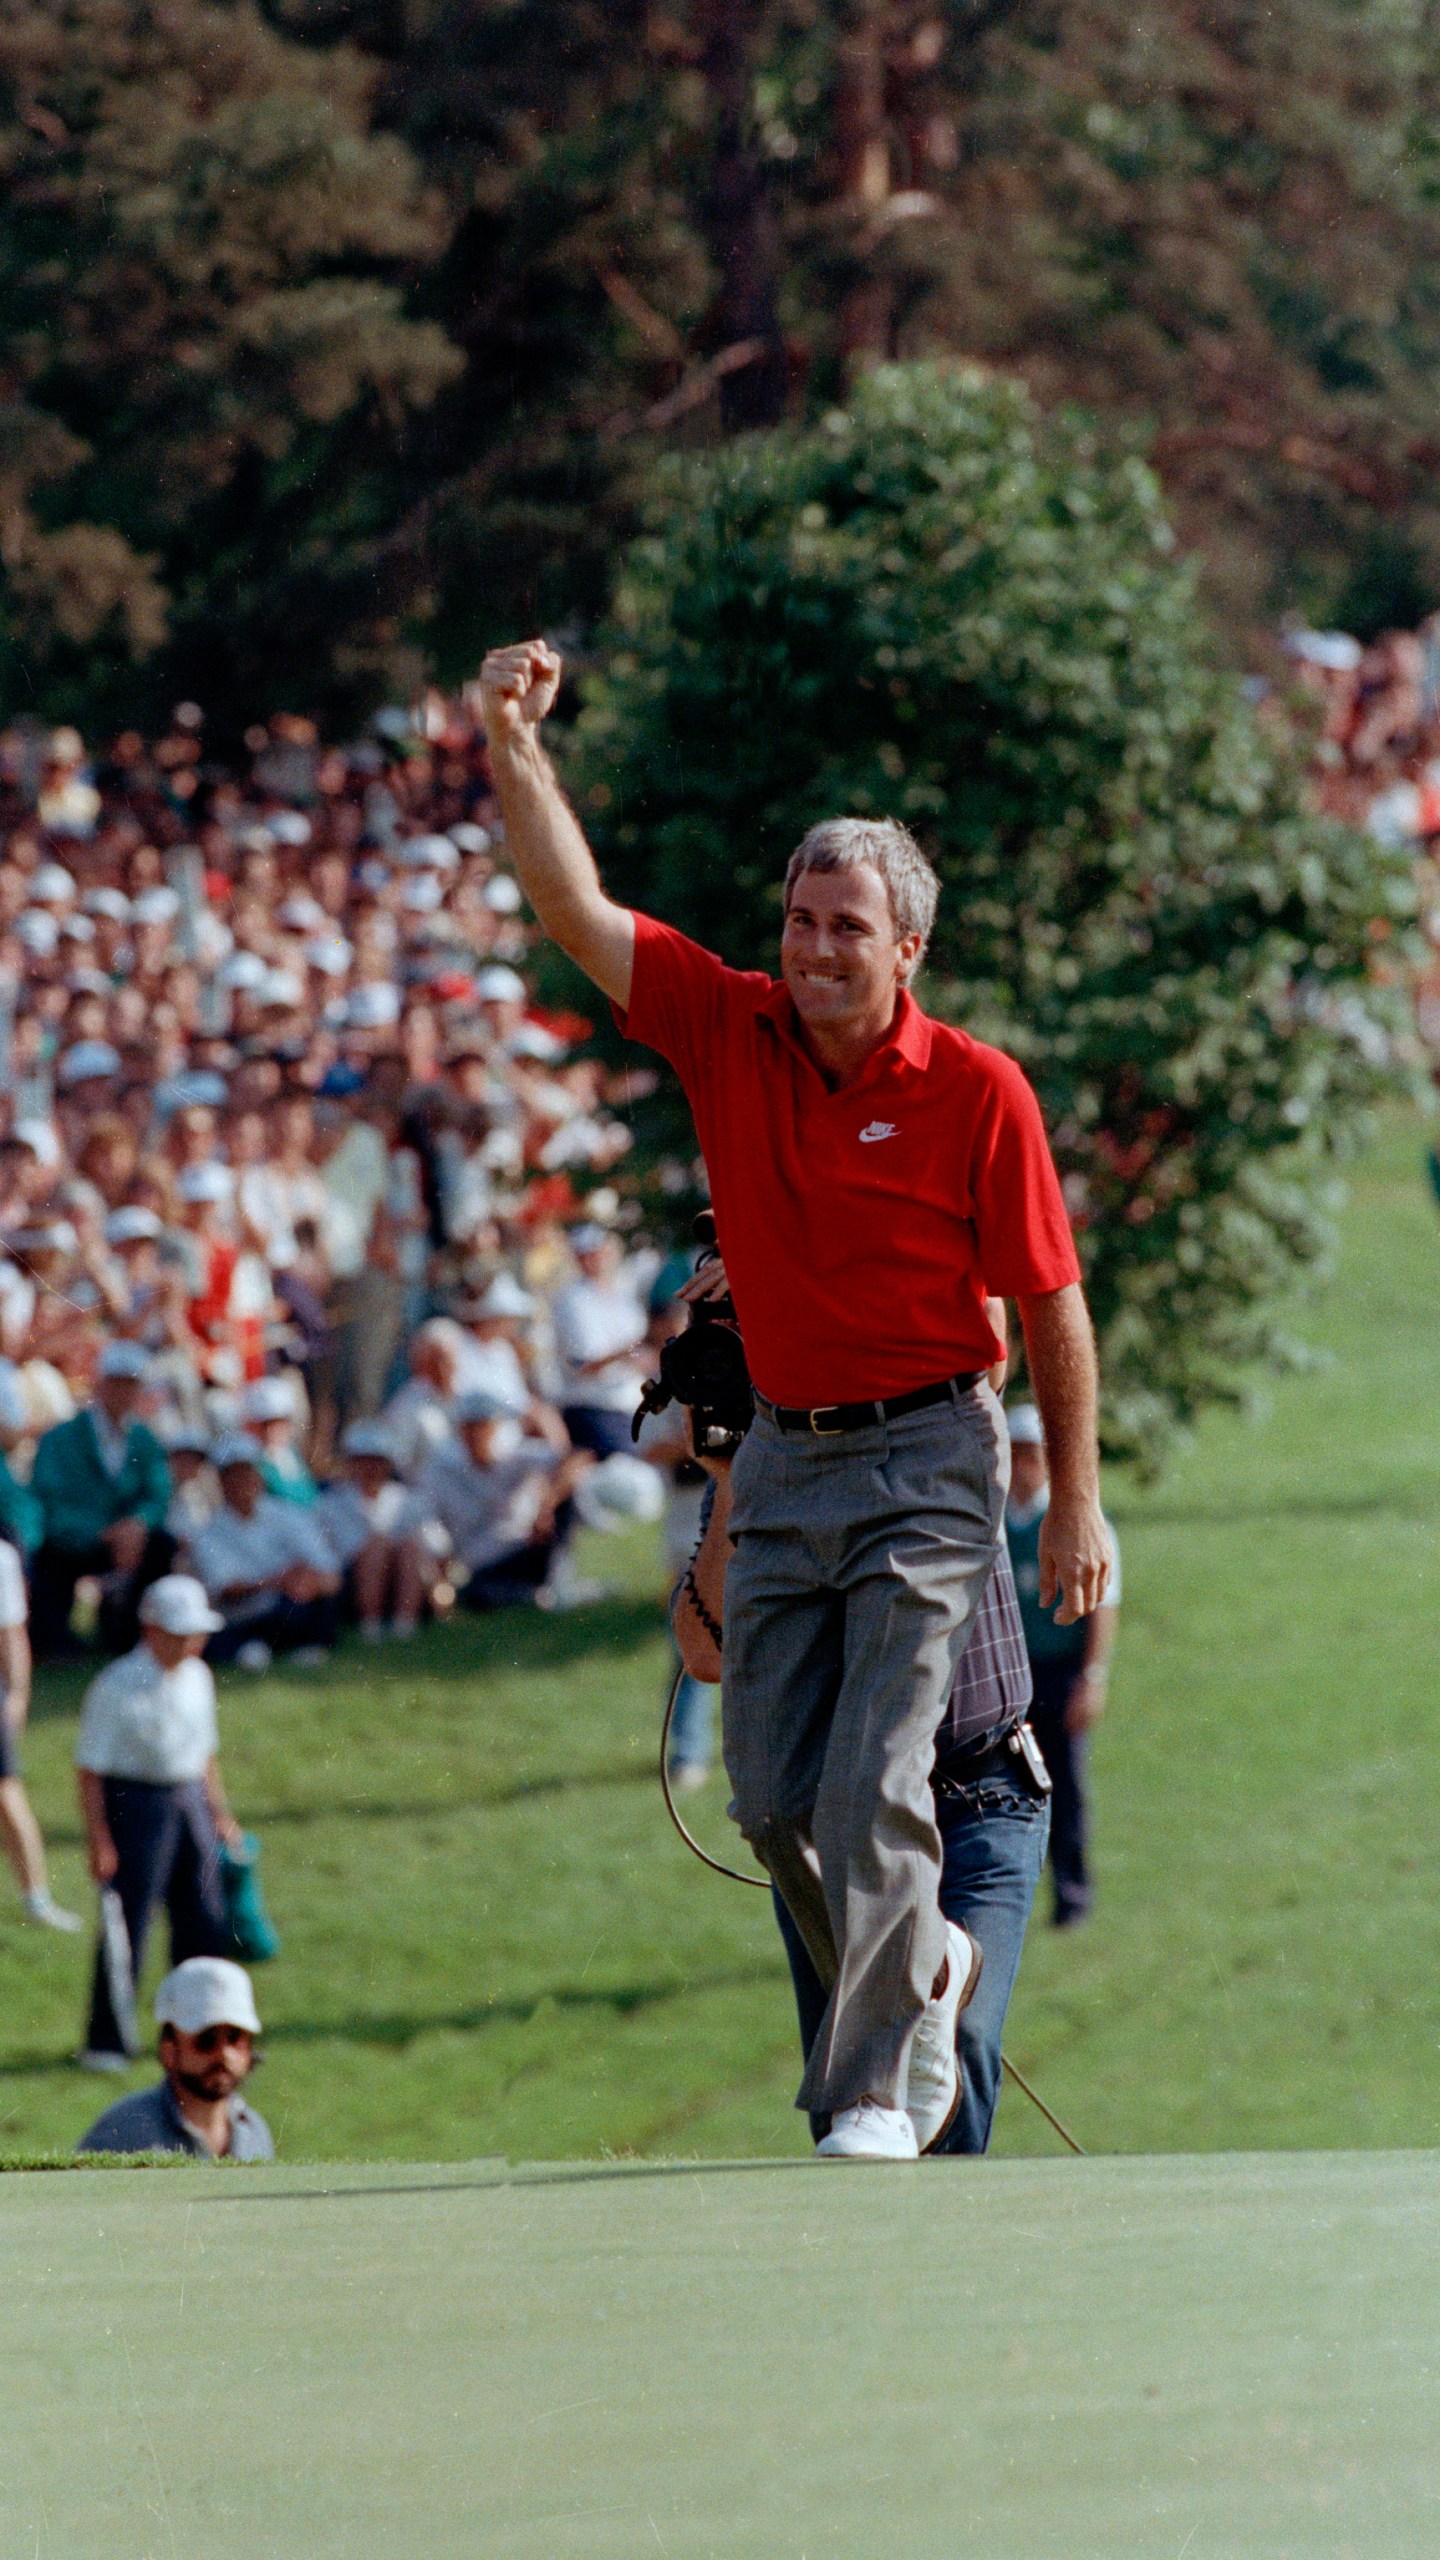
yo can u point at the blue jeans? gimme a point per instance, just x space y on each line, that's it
993 1838
692 1727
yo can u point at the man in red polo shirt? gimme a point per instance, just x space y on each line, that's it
875 1175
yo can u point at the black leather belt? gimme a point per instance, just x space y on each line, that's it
1011 1753
826 1419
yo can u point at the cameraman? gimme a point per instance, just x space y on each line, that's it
868 1166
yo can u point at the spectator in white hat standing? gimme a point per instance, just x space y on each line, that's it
148 1772
103 1487
208 2026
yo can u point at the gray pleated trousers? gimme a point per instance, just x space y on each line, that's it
859 1563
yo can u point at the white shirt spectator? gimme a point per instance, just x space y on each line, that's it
349 1520
278 1534
274 1200
355 1179
600 1320
141 1721
416 1422
493 1369
486 1511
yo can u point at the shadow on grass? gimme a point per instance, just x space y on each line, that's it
393 2031
468 1648
559 2173
1404 1502
301 1817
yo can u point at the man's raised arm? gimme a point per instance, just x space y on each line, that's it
553 862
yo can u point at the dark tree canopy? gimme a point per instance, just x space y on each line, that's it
208 365
939 606
338 334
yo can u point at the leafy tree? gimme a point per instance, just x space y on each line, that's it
1221 224
939 606
207 363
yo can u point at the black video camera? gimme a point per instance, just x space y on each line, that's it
704 1368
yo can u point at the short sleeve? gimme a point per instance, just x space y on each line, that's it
679 996
94 1741
13 1609
1022 1229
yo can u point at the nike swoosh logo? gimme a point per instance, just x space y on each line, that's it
877 1130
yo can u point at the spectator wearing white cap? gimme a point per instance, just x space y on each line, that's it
148 1771
368 1518
267 1566
103 1488
1070 1666
269 1413
208 2025
419 1417
600 1331
19 1830
502 1498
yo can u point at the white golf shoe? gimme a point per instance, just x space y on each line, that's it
933 2091
869 2132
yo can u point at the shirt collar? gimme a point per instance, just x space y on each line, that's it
910 1037
1023 1515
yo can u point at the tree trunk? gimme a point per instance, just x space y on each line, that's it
863 148
740 226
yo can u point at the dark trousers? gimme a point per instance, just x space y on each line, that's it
1064 1756
596 1428
53 1577
512 1579
285 1625
169 1852
993 1847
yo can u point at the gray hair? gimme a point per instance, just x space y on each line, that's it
845 844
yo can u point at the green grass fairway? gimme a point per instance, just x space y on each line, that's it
495 1944
1105 2360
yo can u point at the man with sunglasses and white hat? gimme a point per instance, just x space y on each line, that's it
208 2026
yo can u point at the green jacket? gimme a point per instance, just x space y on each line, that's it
79 1501
20 1519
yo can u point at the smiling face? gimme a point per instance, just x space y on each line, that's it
840 955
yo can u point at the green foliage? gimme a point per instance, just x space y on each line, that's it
207 354
940 607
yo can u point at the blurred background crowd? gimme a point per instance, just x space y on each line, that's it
321 1273
316 1278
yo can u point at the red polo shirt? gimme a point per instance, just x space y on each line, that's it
862 1230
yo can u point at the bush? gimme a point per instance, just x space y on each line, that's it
941 606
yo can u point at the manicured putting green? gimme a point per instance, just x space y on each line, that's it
1143 2359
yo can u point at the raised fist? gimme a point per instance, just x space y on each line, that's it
517 687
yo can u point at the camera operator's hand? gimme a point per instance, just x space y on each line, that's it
719 1468
710 1281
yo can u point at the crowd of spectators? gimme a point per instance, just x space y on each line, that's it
316 1279
1377 762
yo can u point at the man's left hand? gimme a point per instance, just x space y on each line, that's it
1074 1556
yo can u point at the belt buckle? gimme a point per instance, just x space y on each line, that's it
825 1430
